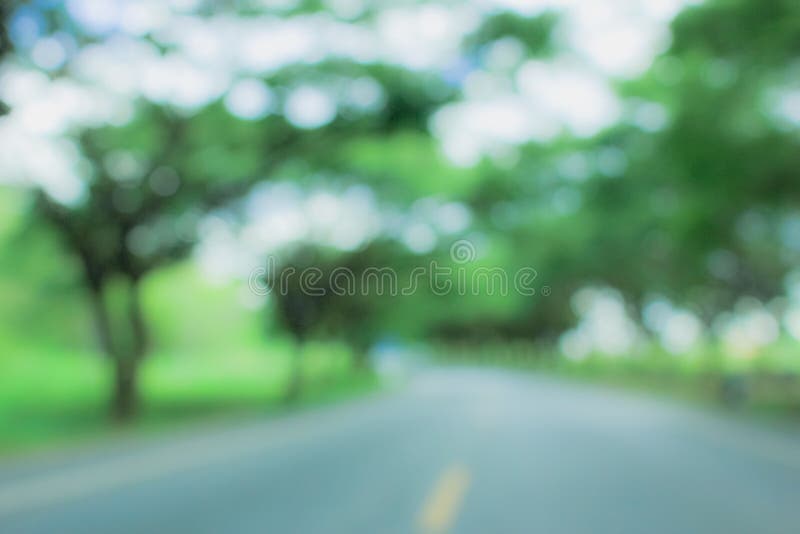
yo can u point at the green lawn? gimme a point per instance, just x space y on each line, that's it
213 357
51 397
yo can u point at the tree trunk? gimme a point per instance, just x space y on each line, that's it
126 397
123 397
139 337
125 357
295 387
126 393
102 322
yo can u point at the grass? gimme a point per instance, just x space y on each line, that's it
52 397
766 385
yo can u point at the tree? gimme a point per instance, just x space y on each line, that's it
5 42
148 183
132 221
322 292
690 196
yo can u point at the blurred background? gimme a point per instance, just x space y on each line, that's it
163 162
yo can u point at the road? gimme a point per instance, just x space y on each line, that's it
457 450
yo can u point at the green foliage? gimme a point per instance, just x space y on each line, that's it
406 166
534 33
37 282
687 196
752 33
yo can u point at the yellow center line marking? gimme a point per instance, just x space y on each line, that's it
442 505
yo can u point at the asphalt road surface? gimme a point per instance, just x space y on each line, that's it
458 450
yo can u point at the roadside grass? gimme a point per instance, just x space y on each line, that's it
765 385
213 357
52 397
